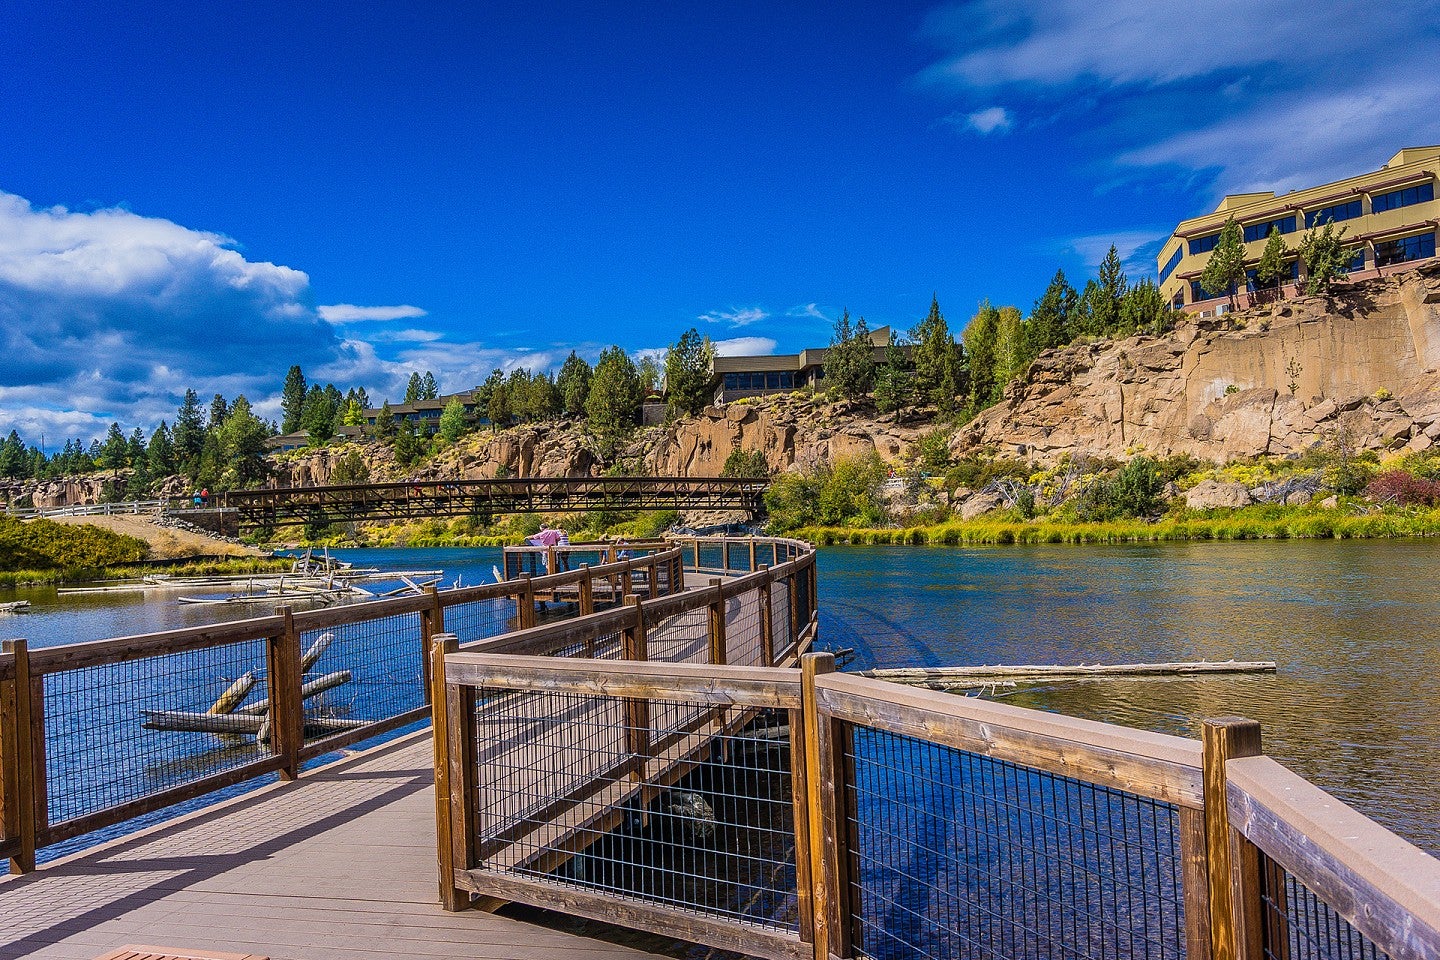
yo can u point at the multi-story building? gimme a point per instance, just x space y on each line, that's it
734 377
1391 216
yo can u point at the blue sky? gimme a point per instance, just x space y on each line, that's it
202 194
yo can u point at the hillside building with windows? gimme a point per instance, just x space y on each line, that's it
1391 216
734 377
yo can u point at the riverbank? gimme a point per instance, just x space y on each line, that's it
1269 522
96 574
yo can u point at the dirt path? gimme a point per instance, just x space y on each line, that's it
165 543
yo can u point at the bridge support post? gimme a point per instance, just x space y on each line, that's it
17 754
1236 905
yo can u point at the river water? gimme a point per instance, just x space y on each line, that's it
1355 627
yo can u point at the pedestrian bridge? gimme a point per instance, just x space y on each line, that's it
427 499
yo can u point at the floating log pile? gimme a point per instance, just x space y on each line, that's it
229 716
949 678
15 606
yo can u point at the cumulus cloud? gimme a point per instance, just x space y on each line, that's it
105 315
1131 246
745 347
349 313
741 317
405 336
1145 75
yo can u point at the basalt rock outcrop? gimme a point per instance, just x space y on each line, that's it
1362 365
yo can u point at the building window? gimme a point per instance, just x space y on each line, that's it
1252 277
1172 263
1356 262
1198 293
1340 211
1405 249
1204 244
1395 199
1259 231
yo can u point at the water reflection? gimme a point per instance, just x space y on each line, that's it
1352 625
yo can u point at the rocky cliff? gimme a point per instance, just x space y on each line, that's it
1272 380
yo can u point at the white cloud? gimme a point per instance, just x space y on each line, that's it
741 317
745 347
109 315
1301 99
990 120
457 366
349 313
1128 243
404 336
807 310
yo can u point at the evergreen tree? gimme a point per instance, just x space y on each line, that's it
687 374
415 389
939 361
429 388
385 426
115 452
980 335
160 453
1271 270
242 447
1325 257
498 407
542 399
850 361
1052 319
292 400
1225 270
485 393
1105 299
189 433
14 463
408 447
135 449
651 375
893 382
613 405
452 420
219 413
318 415
1144 310
574 384
354 413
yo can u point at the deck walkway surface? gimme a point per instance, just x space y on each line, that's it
339 864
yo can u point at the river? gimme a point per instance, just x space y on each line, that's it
1354 625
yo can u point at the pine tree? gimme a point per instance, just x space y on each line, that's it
429 388
415 389
613 405
1144 310
1225 270
14 464
292 400
1109 290
1053 316
1012 352
189 433
385 425
687 373
1271 269
574 384
242 447
1325 257
115 452
160 453
850 361
135 448
939 362
318 415
219 413
893 382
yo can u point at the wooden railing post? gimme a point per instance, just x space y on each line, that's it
752 555
652 571
587 592
767 619
827 788
287 707
432 621
695 544
793 581
1236 921
452 724
18 713
525 602
716 630
637 709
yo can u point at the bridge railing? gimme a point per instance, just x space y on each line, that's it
95 734
794 813
89 509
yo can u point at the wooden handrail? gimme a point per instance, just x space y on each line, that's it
1387 888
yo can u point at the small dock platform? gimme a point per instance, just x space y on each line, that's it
339 864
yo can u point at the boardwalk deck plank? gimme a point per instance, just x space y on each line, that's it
338 864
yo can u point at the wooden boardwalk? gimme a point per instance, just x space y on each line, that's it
338 864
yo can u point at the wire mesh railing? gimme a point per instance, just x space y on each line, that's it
919 824
94 734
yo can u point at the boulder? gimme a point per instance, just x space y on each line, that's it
1213 493
980 503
